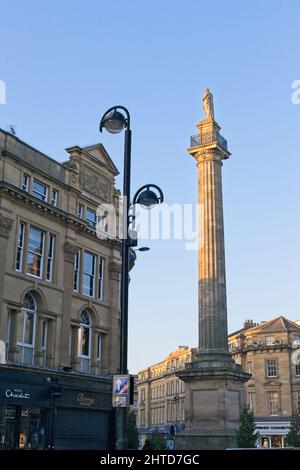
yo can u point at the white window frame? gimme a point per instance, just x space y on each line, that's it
20 246
89 221
42 255
101 278
50 257
250 367
34 192
272 367
22 344
93 275
25 182
273 410
54 197
76 279
79 210
80 337
99 347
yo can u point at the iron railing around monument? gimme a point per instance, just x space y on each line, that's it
208 138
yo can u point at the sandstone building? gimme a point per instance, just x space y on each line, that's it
268 351
59 298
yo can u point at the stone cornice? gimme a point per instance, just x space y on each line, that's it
59 215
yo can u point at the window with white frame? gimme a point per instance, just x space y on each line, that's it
26 329
79 210
272 368
20 247
250 367
251 401
76 271
25 182
84 344
54 197
297 369
35 252
39 190
91 217
101 275
50 257
273 400
88 285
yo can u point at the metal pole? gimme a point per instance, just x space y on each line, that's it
122 442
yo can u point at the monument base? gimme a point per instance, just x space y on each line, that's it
193 442
213 401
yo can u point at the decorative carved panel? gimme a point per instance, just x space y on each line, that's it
94 184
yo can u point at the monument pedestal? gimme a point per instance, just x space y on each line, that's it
213 401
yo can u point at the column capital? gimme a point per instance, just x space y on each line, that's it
70 250
211 155
5 225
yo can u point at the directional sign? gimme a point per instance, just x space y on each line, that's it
121 385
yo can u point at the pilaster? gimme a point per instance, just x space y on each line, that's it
70 251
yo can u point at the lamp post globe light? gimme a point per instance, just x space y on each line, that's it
114 121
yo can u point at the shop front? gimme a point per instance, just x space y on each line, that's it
78 416
272 434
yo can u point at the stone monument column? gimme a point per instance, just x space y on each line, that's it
213 382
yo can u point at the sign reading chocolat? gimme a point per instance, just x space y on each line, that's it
16 393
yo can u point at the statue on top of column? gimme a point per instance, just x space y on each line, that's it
208 104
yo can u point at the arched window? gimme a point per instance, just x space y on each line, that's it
26 329
85 334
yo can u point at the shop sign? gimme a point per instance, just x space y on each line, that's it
17 393
84 400
274 428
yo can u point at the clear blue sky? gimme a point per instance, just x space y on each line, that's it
65 63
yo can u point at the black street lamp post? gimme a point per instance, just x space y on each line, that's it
114 122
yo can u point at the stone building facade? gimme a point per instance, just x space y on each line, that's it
59 294
268 351
161 395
